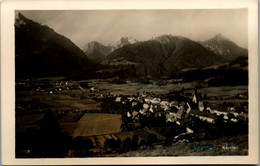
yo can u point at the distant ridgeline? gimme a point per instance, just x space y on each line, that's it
39 51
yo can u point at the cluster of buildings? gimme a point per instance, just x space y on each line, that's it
174 110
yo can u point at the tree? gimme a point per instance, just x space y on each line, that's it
127 144
205 96
151 139
135 142
109 144
117 144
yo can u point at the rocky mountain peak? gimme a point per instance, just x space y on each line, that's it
169 38
224 47
220 37
94 45
19 20
125 41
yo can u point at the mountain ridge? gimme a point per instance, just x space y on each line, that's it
97 51
166 54
40 51
224 47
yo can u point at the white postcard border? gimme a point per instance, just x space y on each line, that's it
7 77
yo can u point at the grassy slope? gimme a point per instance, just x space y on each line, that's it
186 149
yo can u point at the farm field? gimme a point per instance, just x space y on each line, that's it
223 90
60 101
98 124
130 88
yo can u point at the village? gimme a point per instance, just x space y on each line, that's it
146 119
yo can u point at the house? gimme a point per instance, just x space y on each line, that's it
118 99
148 99
140 99
242 115
242 96
143 95
174 104
231 109
143 111
218 113
165 105
92 89
159 114
234 120
135 113
170 117
167 108
235 114
155 101
151 109
38 89
208 109
130 98
201 106
128 114
124 101
180 112
209 120
145 106
188 109
225 117
189 131
134 103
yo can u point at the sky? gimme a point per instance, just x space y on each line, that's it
107 26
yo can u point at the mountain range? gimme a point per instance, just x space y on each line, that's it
40 51
166 54
219 45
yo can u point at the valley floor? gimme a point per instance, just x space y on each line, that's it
98 118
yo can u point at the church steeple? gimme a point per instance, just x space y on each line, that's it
195 100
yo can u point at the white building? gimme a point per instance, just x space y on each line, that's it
201 106
194 99
118 99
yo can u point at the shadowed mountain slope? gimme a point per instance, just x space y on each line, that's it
166 54
40 51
